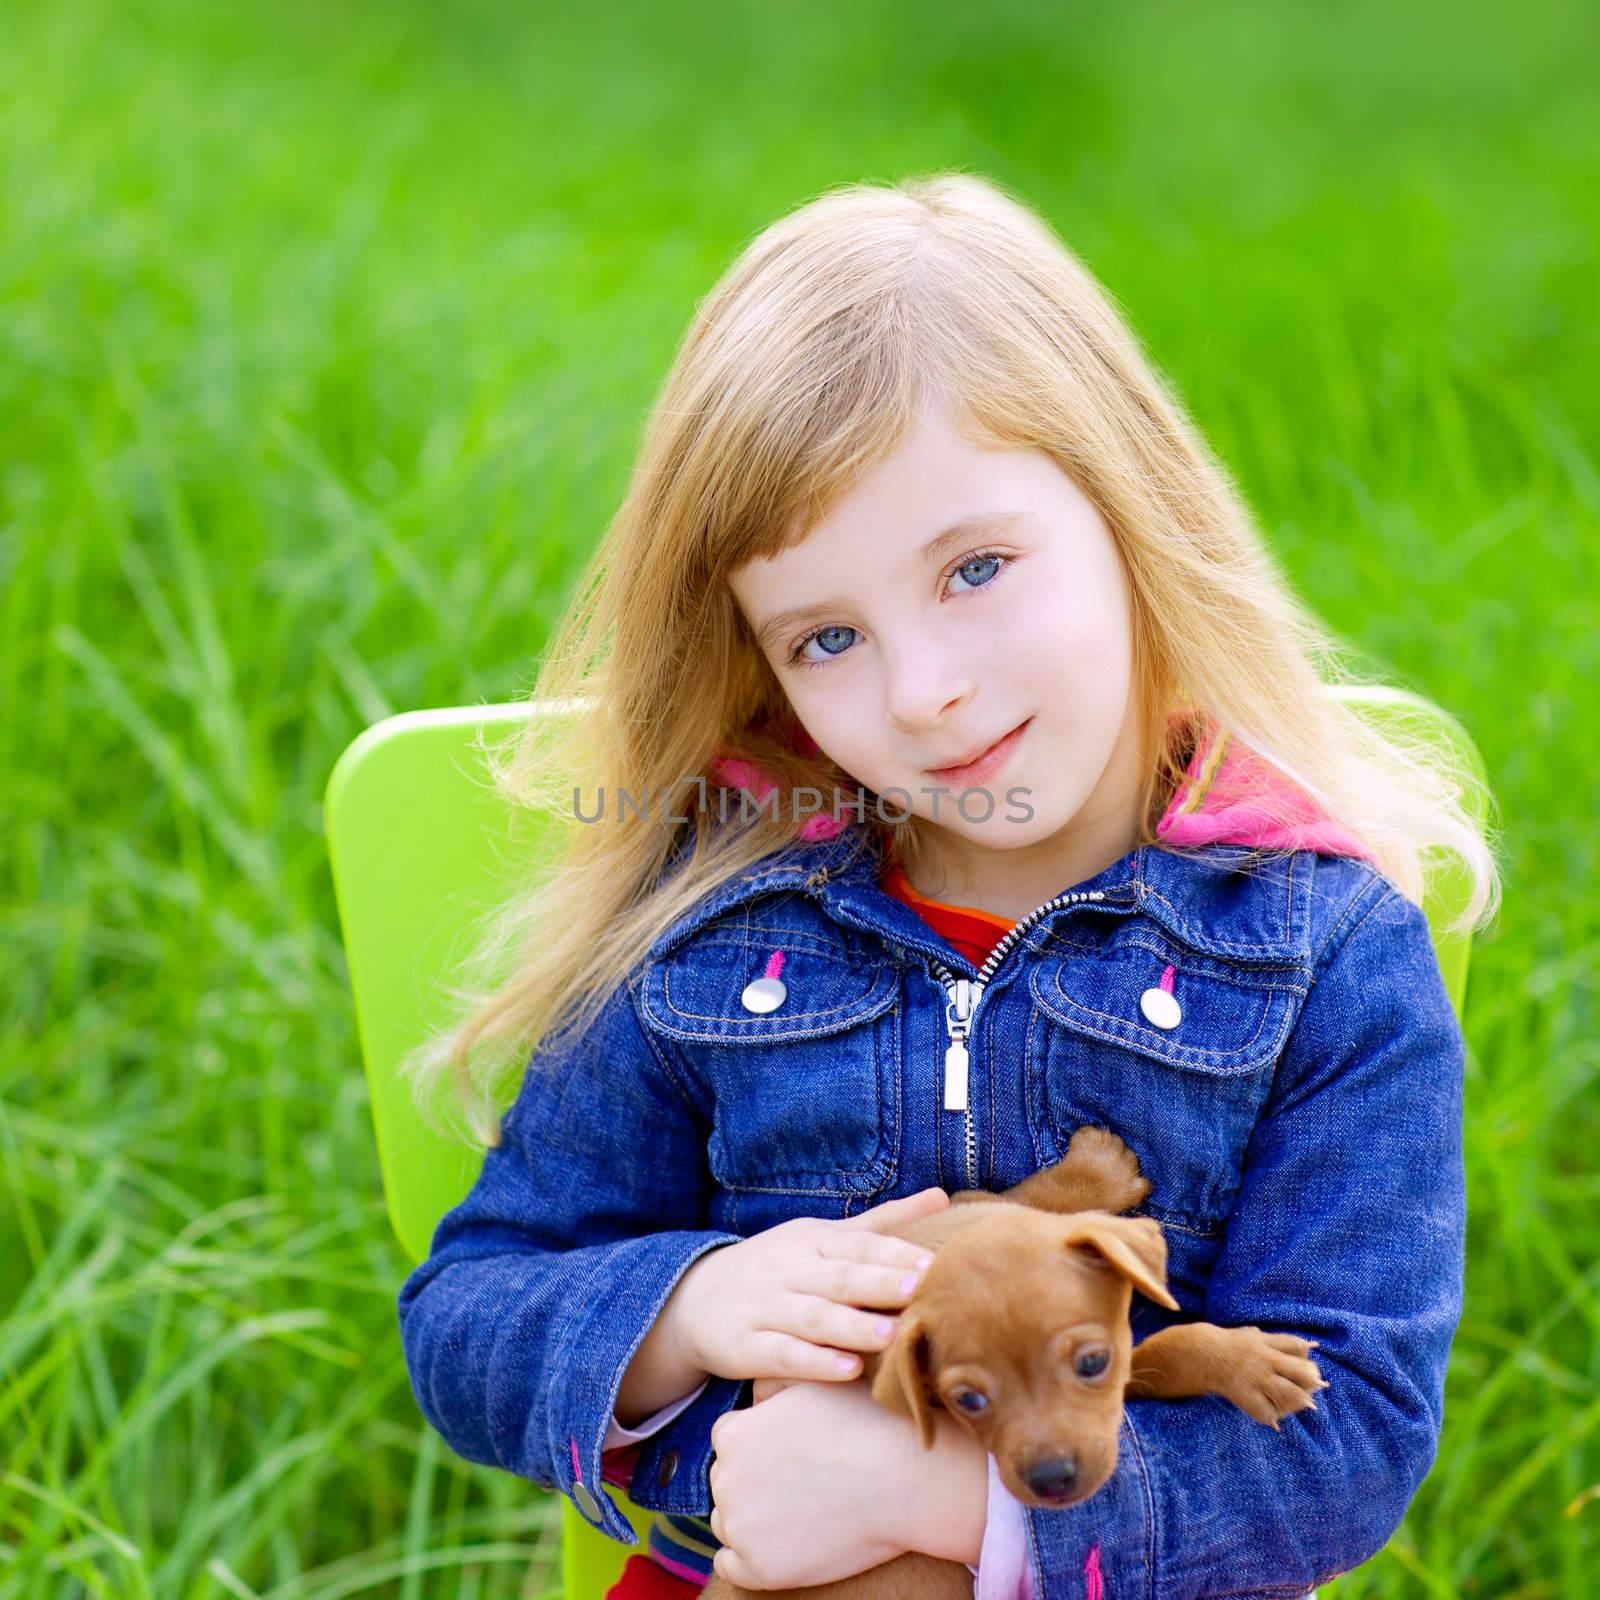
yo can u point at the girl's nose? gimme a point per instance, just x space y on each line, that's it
923 688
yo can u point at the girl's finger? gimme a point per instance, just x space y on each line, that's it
893 1211
823 1322
878 1249
859 1283
730 1566
788 1356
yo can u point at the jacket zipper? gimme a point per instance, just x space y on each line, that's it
963 995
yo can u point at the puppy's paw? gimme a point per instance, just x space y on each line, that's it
1098 1173
1101 1162
1271 1374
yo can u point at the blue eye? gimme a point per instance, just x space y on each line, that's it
983 561
820 635
978 561
972 1401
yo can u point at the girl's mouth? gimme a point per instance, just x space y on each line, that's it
985 765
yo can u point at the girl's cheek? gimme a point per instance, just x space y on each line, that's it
1091 632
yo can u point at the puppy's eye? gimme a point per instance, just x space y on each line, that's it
973 1401
1092 1363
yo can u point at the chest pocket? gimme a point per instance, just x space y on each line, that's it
804 1099
1184 1099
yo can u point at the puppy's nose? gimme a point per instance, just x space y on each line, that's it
1052 1478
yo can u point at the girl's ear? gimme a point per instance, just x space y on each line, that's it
1134 1246
901 1381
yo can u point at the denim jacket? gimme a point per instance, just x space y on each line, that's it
1300 1124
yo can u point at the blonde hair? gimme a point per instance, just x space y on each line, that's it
810 361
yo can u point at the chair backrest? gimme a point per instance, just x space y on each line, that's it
422 846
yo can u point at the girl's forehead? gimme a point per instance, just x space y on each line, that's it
909 512
935 467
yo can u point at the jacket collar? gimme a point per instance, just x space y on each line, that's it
1227 901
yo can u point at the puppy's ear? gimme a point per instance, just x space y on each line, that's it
901 1381
1134 1246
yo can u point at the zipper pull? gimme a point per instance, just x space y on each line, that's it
955 1077
955 1056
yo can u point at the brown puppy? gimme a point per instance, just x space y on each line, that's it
1020 1330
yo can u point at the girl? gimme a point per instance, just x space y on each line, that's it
973 778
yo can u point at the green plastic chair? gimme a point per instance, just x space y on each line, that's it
422 846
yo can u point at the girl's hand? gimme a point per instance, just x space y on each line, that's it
828 1448
782 1303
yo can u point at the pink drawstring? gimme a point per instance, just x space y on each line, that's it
1166 984
774 965
1093 1587
577 1473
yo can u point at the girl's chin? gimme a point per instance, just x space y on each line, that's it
1008 829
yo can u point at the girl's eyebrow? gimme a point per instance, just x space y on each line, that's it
984 524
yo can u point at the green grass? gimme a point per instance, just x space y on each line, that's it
326 334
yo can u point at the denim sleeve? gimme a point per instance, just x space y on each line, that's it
1349 1229
544 1280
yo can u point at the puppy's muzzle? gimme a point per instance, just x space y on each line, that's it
1054 1479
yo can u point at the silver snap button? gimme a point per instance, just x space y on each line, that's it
765 994
769 991
1161 1009
587 1503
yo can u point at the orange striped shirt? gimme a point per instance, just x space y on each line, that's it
973 932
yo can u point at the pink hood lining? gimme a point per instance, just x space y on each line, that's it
1229 795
